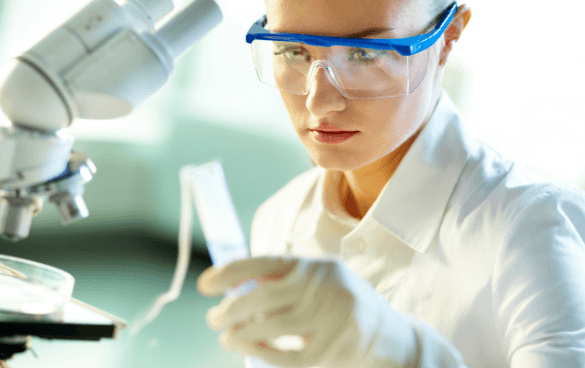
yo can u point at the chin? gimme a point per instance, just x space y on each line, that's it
338 162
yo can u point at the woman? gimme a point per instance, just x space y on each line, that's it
410 243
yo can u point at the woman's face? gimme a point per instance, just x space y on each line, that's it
381 125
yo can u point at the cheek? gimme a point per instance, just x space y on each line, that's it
389 120
416 108
392 122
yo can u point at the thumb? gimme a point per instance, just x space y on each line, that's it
216 281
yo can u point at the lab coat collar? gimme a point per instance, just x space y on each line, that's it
412 204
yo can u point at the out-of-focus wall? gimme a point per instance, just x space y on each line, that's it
519 71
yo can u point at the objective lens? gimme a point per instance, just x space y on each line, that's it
71 206
16 215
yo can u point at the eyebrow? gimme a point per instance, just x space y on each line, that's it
365 33
368 32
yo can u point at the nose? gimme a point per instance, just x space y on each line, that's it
323 96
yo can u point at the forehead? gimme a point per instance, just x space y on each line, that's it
342 17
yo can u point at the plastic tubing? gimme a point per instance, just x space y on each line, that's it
190 24
185 235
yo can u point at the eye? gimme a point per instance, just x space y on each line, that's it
294 54
365 56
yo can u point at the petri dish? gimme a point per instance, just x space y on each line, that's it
32 288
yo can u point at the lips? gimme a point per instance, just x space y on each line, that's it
332 136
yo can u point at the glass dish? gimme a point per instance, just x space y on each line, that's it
32 288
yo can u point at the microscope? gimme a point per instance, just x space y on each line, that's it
99 64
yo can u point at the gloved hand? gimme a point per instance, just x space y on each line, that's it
342 320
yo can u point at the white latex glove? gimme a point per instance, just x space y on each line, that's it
343 321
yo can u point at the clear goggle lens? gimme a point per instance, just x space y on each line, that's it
358 73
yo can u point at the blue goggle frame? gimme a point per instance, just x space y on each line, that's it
404 46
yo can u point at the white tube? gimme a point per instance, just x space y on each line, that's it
186 27
185 234
205 187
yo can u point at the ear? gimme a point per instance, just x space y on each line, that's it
454 31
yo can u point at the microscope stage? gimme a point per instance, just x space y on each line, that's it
80 321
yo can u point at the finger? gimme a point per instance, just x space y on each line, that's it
251 342
295 294
259 317
334 319
266 299
218 281
310 299
245 349
262 350
203 280
288 348
270 328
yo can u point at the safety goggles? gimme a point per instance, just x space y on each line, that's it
360 68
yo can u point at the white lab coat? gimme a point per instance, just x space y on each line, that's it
460 239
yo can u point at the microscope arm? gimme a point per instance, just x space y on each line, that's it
99 64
